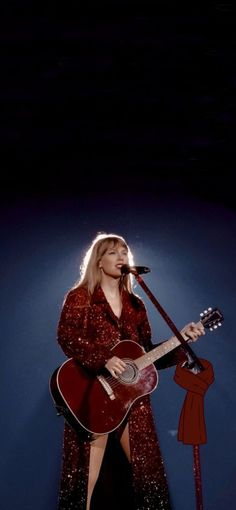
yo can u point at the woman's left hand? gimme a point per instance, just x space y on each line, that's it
192 331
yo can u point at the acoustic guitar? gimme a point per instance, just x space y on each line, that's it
97 404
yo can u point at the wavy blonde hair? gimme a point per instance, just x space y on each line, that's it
90 271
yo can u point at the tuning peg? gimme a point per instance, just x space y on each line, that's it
219 324
205 311
211 329
209 309
201 314
215 326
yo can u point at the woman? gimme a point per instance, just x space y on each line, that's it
100 311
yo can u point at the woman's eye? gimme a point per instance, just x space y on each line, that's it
113 252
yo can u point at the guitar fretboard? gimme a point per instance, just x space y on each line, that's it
150 357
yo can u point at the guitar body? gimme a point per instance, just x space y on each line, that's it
100 403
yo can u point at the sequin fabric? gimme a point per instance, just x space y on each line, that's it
88 330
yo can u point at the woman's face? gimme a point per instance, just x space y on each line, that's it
113 259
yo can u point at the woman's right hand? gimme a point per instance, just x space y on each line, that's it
115 366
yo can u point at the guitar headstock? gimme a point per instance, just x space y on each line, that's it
211 318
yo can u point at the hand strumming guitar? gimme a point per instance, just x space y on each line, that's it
115 366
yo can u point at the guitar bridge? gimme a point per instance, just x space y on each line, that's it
106 387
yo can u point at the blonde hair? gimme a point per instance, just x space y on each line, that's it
90 271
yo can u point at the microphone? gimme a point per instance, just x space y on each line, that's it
125 269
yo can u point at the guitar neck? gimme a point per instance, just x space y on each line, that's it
158 352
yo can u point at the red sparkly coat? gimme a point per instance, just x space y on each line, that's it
87 330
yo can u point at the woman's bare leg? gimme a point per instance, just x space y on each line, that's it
97 450
124 441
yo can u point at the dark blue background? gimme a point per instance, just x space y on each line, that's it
190 247
120 95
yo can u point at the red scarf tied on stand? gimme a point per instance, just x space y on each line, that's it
192 428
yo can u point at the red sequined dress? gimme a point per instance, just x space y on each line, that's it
87 330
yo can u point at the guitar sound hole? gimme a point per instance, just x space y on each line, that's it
130 374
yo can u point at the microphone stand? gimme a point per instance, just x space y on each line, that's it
193 363
193 360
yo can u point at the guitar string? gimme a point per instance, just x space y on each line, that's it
113 382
